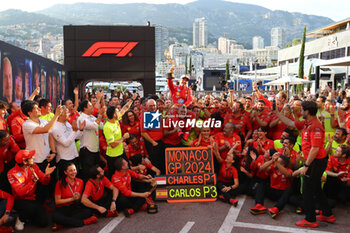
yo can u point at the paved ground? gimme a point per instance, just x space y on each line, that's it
208 217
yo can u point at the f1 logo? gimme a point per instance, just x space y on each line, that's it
121 49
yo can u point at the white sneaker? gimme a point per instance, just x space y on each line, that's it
19 226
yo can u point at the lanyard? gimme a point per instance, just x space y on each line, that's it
75 188
98 188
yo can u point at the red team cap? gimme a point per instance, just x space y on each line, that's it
23 155
185 77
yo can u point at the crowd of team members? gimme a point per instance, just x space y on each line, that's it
263 148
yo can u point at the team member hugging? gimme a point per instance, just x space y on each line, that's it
95 197
280 185
228 178
69 211
129 201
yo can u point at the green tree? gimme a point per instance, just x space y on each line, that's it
288 45
296 41
301 60
227 72
309 78
190 67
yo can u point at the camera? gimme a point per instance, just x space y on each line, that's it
222 82
194 86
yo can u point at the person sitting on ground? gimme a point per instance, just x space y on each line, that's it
95 197
228 178
143 167
338 169
23 179
69 211
129 201
279 188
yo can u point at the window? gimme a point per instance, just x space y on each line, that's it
336 53
311 56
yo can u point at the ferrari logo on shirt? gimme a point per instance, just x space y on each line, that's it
222 141
275 176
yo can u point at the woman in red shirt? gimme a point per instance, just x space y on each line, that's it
69 211
228 179
131 124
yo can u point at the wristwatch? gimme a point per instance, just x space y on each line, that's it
7 212
305 165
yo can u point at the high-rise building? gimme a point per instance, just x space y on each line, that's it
226 45
162 42
200 33
278 37
258 42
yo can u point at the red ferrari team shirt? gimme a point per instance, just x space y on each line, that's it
123 181
278 180
312 135
94 191
69 190
227 174
221 138
335 166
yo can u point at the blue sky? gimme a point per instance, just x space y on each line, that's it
335 9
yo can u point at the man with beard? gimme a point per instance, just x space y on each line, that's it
94 195
278 143
339 138
228 139
261 116
220 115
248 104
240 120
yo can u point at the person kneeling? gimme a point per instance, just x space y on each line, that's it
128 200
280 186
69 211
94 196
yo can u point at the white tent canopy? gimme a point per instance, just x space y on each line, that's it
287 80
